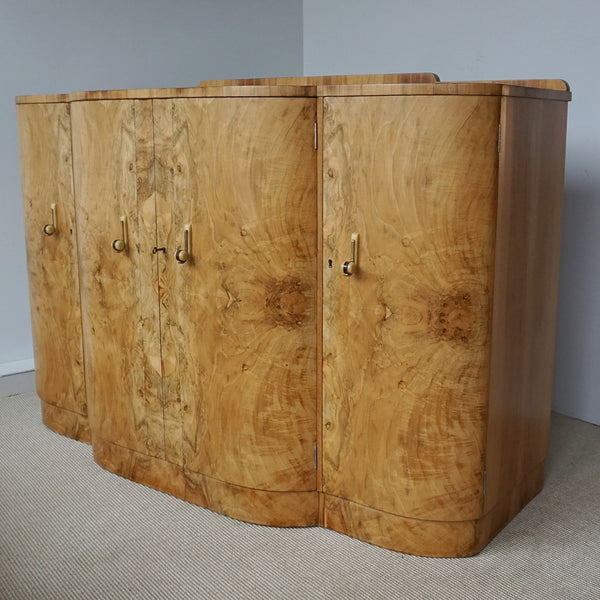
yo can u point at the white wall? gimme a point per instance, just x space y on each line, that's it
51 46
487 39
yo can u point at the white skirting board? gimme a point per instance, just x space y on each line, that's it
17 377
18 366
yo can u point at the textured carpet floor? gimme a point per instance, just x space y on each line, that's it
69 529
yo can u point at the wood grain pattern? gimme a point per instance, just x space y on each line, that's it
114 164
47 178
238 320
411 536
320 308
218 91
459 88
525 295
66 422
328 79
406 339
422 376
444 539
140 467
287 509
547 84
517 88
43 99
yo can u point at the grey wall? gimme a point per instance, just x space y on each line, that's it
487 39
52 46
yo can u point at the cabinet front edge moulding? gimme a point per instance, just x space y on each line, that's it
403 400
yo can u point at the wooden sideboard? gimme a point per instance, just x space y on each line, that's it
304 302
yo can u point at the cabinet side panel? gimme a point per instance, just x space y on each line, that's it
531 178
238 318
47 178
406 338
113 166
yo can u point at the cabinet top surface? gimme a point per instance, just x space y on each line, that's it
475 88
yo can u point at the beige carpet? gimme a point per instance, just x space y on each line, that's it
69 529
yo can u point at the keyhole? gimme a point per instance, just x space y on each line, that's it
330 263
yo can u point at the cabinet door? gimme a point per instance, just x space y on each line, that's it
47 179
406 338
238 318
114 164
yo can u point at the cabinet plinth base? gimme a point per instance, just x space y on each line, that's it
442 539
280 509
66 422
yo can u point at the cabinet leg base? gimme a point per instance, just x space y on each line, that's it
281 509
66 422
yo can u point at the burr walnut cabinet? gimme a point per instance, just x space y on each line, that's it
307 301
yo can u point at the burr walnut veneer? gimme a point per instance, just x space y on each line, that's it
306 301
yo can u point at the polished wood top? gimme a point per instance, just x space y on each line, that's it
542 89
330 79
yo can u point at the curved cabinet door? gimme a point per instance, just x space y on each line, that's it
406 338
113 163
238 319
47 180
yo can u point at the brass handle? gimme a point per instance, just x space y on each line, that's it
51 228
184 254
351 266
120 245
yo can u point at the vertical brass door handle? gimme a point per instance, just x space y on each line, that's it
351 266
51 228
121 244
184 254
